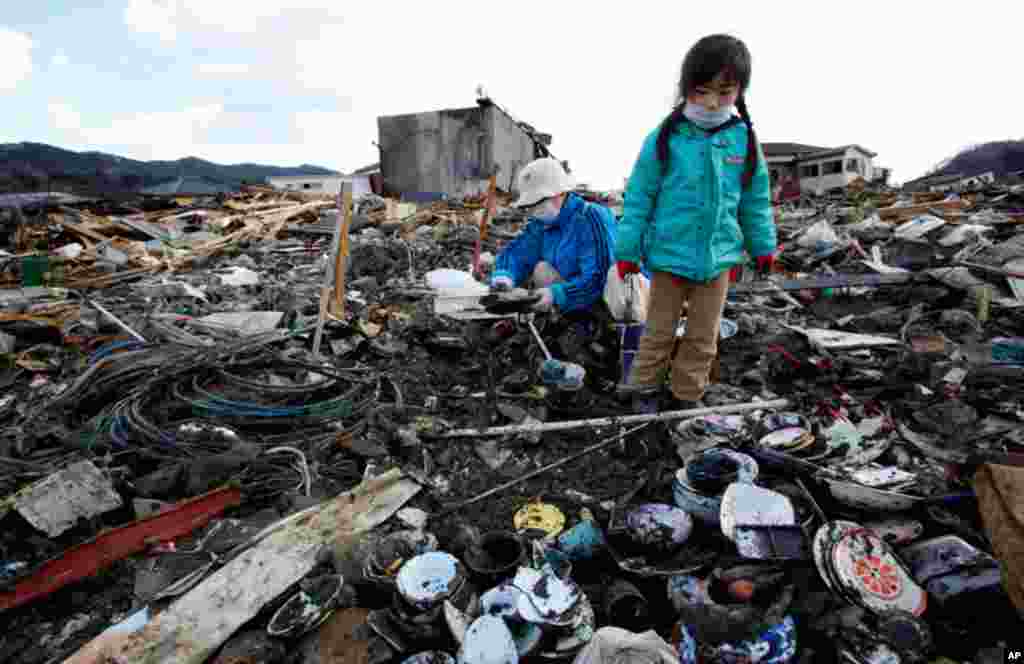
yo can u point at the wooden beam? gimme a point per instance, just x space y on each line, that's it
341 258
490 209
900 213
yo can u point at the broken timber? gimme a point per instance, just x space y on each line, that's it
195 626
627 420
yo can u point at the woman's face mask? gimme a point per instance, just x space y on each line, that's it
547 210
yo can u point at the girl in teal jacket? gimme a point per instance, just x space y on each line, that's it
699 195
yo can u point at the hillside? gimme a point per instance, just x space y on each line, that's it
1000 157
30 165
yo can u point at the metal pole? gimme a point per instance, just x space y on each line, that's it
616 421
534 473
117 321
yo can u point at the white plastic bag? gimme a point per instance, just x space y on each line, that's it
818 236
627 299
446 281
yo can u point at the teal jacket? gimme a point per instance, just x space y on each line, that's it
695 219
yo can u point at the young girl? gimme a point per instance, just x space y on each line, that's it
698 196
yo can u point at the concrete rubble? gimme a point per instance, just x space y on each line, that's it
206 454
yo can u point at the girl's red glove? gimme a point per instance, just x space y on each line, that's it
765 264
625 267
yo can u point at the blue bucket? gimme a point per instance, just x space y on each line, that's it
629 343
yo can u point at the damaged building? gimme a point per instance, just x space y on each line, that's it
452 153
818 170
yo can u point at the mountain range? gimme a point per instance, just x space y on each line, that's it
33 163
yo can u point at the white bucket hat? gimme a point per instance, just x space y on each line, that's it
540 179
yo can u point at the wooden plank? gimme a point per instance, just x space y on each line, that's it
341 259
199 623
485 222
915 210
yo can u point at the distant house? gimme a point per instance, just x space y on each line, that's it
310 184
453 153
818 169
189 185
955 182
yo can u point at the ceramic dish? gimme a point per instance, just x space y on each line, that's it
579 635
660 527
488 639
788 439
428 579
546 599
749 505
872 574
821 551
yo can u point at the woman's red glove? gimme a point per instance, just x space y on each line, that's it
765 263
625 267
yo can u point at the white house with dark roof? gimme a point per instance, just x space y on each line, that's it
820 169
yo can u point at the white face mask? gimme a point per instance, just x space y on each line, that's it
547 211
706 119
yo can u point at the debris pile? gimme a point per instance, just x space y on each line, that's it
206 454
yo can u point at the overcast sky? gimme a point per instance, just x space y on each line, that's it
286 82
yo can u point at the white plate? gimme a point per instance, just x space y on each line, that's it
488 640
750 505
428 578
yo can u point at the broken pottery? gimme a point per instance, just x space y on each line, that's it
571 639
704 506
859 566
713 622
662 528
626 606
488 641
503 602
546 599
542 517
775 645
430 657
494 557
428 579
391 552
761 522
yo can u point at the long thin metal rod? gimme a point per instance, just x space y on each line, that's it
116 320
534 473
536 335
616 421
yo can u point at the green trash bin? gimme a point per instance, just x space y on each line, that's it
32 270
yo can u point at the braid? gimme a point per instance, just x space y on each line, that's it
751 156
674 119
